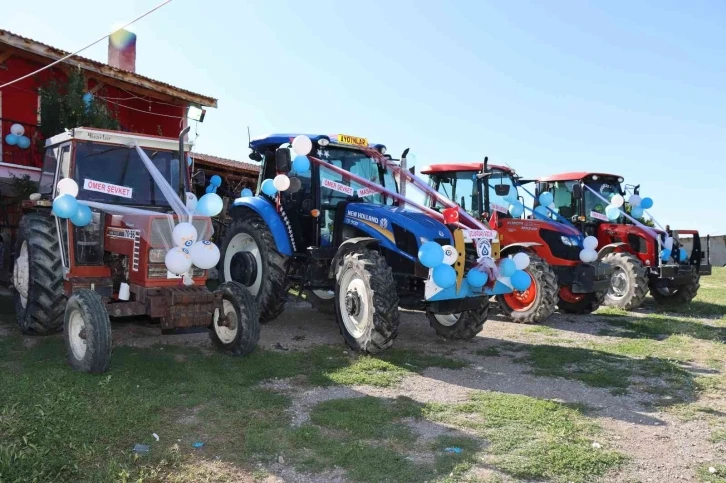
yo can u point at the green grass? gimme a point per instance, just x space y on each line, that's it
705 476
718 436
491 351
657 326
710 301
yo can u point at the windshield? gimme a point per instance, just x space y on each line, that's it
334 188
501 182
116 174
594 207
460 187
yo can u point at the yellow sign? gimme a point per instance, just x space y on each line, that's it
356 141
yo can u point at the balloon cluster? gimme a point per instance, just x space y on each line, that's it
667 251
301 146
639 204
588 253
66 206
546 204
188 250
515 208
17 137
512 272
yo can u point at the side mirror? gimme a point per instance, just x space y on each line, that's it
199 178
577 191
283 160
502 189
255 156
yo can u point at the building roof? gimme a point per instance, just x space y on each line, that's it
575 175
469 166
105 70
225 164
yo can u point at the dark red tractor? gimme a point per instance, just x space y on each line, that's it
634 251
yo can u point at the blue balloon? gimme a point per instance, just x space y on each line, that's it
646 203
23 142
65 206
612 212
683 255
516 209
542 213
520 280
665 254
87 99
301 164
546 198
210 189
476 278
246 192
431 254
268 187
636 212
215 180
444 276
82 216
209 205
11 139
189 160
507 267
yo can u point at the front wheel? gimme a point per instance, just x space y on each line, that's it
322 300
237 328
579 303
629 282
463 325
682 294
366 302
87 332
537 302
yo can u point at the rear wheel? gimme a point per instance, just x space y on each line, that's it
237 328
38 276
323 300
682 294
366 302
249 257
537 302
629 282
579 303
87 332
463 325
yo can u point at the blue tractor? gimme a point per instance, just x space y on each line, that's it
352 251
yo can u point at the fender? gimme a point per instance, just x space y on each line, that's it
269 214
608 249
526 245
348 246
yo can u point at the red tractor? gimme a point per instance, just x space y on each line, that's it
75 276
633 251
560 278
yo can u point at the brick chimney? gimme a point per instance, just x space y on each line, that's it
122 50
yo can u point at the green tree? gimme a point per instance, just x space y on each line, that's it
62 107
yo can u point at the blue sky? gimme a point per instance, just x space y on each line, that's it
635 88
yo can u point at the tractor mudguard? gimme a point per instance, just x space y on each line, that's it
347 247
269 214
527 245
608 249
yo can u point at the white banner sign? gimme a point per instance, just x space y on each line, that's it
598 216
499 208
108 188
363 192
475 234
335 186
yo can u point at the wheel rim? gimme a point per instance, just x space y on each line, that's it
226 326
569 296
77 334
619 284
21 274
447 320
524 300
324 294
243 262
353 302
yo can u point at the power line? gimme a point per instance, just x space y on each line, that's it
86 47
141 110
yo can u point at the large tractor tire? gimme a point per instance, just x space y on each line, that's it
87 332
462 326
237 328
249 257
38 276
579 303
629 282
536 303
366 302
681 295
322 300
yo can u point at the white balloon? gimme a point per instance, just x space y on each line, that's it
617 200
590 242
668 243
281 182
588 255
191 201
178 260
184 235
634 200
17 129
450 254
67 186
205 254
521 260
302 145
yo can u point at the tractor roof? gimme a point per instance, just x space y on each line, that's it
469 166
118 138
277 139
575 175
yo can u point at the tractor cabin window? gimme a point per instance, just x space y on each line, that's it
460 187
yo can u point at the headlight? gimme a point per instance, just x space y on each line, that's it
323 142
568 241
157 255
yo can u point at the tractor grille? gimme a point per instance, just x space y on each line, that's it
161 231
559 249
